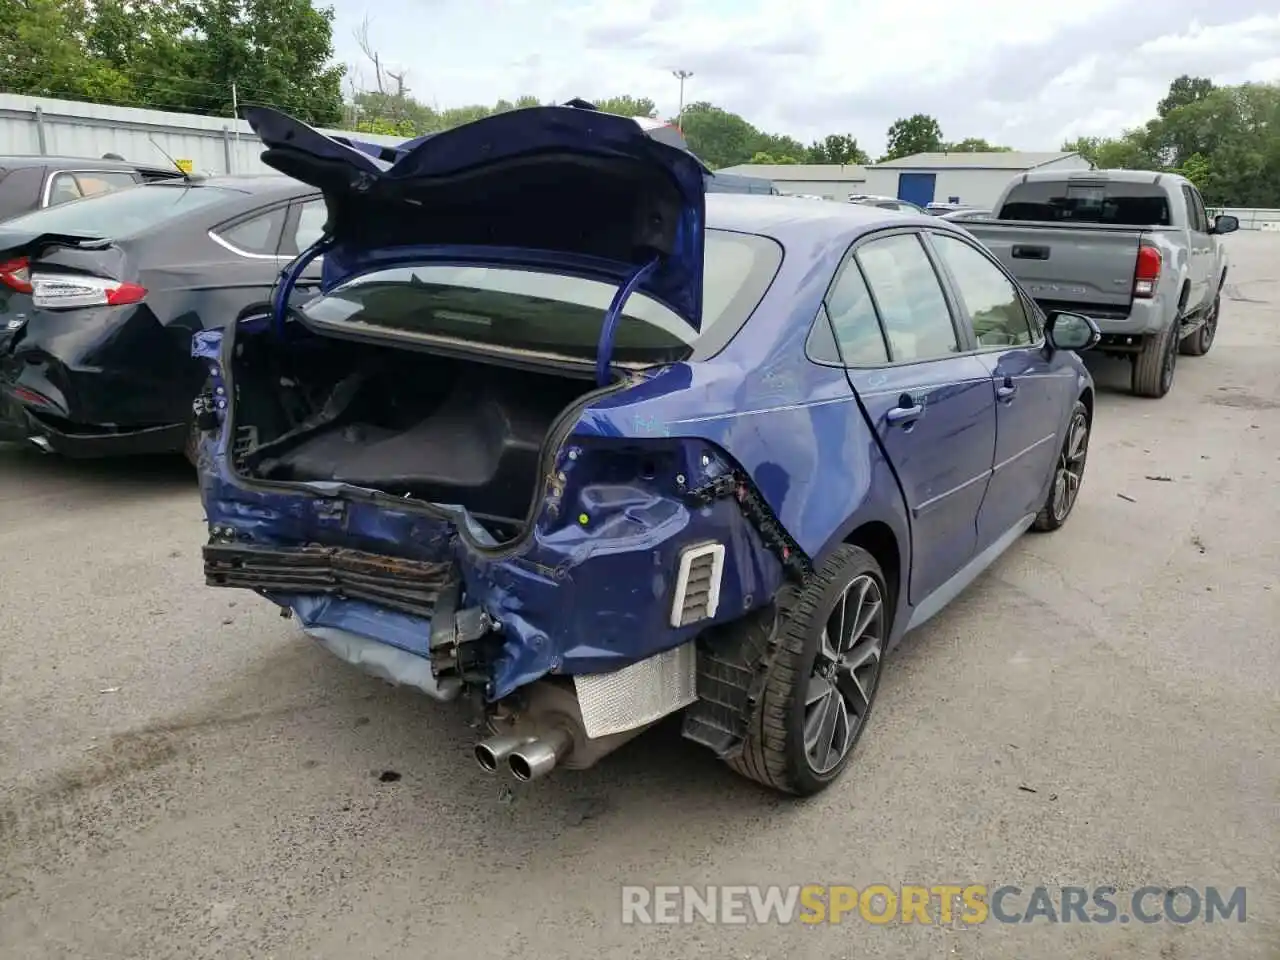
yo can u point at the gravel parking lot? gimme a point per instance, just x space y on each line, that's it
183 775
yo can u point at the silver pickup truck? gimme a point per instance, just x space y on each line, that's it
1134 250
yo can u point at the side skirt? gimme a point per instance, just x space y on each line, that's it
952 588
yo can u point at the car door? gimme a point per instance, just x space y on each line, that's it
1200 255
929 401
1033 387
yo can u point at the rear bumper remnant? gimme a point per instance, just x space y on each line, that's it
408 586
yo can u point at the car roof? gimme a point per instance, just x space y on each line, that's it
79 163
795 221
255 185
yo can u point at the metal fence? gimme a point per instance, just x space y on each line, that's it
44 127
1252 218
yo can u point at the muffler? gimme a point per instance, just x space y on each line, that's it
41 444
490 753
538 757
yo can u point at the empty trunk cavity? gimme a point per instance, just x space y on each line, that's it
406 423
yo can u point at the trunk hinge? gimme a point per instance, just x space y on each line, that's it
608 329
289 276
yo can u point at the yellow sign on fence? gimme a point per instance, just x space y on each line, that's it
186 166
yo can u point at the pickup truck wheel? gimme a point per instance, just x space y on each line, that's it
1198 344
1153 368
1068 473
818 696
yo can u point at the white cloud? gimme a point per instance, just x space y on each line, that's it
990 68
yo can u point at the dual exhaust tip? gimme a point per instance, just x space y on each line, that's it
528 758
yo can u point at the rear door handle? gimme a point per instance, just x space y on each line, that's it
1006 390
900 414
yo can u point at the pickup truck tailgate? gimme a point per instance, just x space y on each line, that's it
1084 265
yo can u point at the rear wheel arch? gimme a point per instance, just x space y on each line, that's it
878 539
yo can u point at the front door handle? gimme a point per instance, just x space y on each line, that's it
906 410
1006 390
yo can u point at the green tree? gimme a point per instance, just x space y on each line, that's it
974 145
778 145
1184 90
720 138
763 157
837 148
919 133
628 106
276 51
44 44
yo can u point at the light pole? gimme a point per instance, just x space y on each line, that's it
682 76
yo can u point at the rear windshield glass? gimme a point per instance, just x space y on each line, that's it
1089 201
521 309
122 213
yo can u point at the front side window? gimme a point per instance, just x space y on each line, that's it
311 220
523 309
996 311
63 189
913 308
104 181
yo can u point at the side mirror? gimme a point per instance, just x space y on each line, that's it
1070 331
1225 223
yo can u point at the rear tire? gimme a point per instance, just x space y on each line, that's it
1198 344
784 746
1154 367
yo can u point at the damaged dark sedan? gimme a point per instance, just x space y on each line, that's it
99 299
570 439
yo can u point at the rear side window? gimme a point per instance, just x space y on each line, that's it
527 310
258 235
853 320
917 320
1135 204
124 212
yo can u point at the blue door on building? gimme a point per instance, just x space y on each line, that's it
916 188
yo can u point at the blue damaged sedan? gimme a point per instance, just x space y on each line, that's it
573 439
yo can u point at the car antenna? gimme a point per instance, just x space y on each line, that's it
177 166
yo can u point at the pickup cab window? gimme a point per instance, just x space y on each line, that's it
1117 202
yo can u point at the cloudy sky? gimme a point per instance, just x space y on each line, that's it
985 68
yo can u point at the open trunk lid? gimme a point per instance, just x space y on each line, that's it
560 188
1084 264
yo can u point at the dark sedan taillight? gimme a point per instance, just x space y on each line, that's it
16 274
65 291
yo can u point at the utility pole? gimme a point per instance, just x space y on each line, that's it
682 76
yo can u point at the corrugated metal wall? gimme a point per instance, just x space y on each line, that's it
36 125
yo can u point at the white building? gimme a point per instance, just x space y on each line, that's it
834 181
972 179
